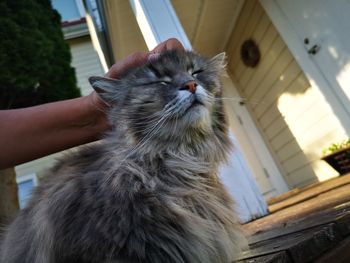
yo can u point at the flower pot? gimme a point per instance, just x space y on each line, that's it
339 160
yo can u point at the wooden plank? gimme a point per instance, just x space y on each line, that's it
322 202
305 231
311 192
312 247
282 197
303 246
296 191
341 253
340 215
343 224
280 257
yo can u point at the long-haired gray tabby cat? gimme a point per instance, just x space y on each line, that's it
149 192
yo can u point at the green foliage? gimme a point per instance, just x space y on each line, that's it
336 147
34 58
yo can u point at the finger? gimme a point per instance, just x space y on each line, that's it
171 43
120 67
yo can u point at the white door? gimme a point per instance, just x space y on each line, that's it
254 149
318 34
248 206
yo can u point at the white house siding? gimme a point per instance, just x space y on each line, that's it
37 167
293 117
85 61
86 64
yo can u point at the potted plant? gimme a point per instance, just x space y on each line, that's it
337 155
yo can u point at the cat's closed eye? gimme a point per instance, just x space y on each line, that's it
196 72
163 82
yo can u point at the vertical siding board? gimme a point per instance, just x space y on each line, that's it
281 139
85 61
270 50
276 127
295 163
299 178
252 23
273 75
239 29
288 150
270 98
257 35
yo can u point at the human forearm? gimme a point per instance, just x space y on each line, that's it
30 133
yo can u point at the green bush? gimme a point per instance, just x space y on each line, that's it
34 58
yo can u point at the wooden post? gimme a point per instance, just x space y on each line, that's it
9 205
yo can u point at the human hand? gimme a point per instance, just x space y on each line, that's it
140 58
132 61
119 68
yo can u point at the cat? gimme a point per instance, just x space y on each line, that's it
149 191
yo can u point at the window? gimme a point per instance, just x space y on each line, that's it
69 10
25 187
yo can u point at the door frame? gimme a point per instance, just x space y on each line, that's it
311 71
253 145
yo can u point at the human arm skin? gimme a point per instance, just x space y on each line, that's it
30 133
34 132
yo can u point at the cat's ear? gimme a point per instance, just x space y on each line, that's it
108 89
218 62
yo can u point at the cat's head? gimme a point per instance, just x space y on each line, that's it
174 99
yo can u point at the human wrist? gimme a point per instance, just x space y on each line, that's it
96 119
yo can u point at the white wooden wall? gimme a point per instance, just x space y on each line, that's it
85 61
294 117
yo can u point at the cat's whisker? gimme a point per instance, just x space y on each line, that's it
147 137
239 99
168 111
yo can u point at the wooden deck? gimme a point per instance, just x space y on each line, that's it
305 225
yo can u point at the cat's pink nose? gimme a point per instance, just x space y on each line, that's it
190 86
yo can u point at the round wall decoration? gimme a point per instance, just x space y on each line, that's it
250 53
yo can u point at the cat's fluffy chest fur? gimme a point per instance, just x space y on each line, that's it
171 203
147 193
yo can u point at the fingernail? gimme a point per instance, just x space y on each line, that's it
153 56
